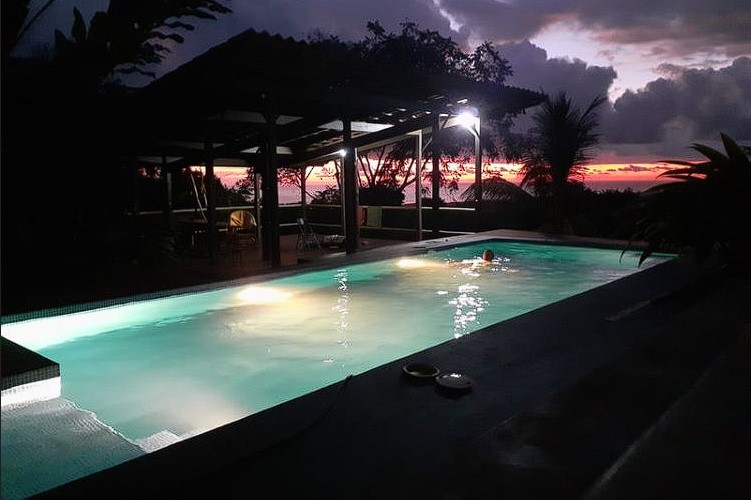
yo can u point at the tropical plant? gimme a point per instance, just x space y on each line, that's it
496 189
707 210
427 51
381 194
561 144
125 38
330 195
61 106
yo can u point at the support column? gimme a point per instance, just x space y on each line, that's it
270 213
168 203
349 165
257 201
136 190
209 183
478 167
418 182
303 197
436 174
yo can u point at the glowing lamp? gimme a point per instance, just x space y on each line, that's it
467 120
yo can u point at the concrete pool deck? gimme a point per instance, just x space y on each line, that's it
559 395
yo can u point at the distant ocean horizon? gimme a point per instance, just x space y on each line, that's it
291 194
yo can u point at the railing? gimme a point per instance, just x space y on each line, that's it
394 222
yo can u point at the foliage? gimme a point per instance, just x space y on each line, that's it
705 210
125 38
151 191
563 138
64 128
427 51
496 189
327 196
294 177
382 195
245 187
560 145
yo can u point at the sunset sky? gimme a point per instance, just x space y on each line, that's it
675 71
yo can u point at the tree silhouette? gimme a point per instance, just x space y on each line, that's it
427 51
125 38
562 142
706 210
390 170
66 139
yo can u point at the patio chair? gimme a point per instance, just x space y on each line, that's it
306 238
241 233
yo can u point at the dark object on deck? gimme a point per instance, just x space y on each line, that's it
306 239
421 371
454 382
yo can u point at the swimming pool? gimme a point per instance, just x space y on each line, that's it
190 363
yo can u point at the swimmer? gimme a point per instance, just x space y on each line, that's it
488 256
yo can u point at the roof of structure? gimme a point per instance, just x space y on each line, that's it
226 95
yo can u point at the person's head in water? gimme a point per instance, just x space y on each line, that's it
488 255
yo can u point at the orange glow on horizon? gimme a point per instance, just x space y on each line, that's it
616 172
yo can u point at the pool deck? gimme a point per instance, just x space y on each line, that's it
597 395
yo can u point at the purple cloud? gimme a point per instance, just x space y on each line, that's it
694 104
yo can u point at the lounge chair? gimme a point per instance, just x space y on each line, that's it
306 238
241 233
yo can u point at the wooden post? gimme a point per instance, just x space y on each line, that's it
168 203
436 174
303 197
257 201
418 182
351 229
208 181
136 190
478 170
272 244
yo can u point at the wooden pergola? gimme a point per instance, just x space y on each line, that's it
270 102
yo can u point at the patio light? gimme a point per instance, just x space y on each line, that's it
468 120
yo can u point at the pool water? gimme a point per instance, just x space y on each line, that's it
190 363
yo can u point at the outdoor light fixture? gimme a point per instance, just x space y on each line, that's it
342 152
468 120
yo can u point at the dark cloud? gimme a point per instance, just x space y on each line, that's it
633 168
495 21
683 27
696 104
345 18
672 27
534 70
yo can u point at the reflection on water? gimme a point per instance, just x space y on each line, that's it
191 362
341 308
471 297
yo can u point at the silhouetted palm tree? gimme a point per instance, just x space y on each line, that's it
496 189
563 139
708 208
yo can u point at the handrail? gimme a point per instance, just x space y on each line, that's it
396 224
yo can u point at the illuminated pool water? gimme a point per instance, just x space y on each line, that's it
190 363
